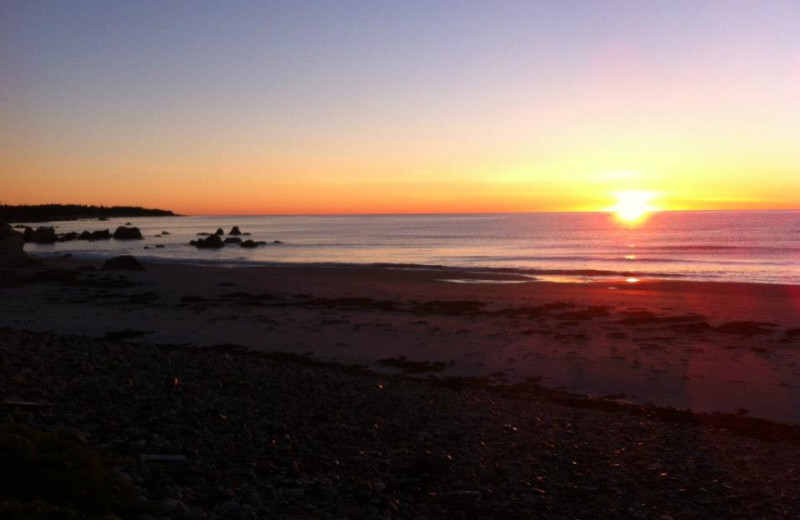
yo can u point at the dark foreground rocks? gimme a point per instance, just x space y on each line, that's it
123 262
11 248
226 434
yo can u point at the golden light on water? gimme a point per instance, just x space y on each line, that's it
633 206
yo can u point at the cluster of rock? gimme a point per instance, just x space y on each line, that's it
215 240
48 235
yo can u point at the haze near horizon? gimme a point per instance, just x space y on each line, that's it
400 107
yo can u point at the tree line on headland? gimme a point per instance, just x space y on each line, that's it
51 212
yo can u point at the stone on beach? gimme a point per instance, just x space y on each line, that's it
123 262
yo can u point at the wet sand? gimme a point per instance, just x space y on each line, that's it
732 348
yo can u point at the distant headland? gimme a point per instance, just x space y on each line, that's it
53 212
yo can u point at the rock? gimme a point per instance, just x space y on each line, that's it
229 508
68 237
41 235
124 262
219 232
11 248
103 234
211 242
233 240
127 233
277 242
430 463
235 231
251 243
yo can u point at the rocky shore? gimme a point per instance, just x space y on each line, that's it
226 433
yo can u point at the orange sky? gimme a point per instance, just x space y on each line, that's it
421 108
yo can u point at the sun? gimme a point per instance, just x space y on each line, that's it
633 206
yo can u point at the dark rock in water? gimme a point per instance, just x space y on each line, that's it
124 262
127 233
67 276
159 246
235 231
219 232
252 244
103 234
165 232
11 248
277 242
233 240
211 242
40 235
68 237
203 234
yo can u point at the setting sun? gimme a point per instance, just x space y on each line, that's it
633 206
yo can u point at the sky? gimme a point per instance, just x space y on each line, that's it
264 107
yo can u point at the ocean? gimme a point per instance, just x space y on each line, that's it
734 246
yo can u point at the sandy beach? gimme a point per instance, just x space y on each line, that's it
729 348
373 392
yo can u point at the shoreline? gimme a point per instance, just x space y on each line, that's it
531 275
705 346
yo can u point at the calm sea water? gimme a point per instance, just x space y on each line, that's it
759 247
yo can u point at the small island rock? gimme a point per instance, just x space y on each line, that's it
235 231
212 242
127 233
41 235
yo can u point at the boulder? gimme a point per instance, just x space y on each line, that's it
219 232
127 233
11 248
103 234
235 231
233 240
251 244
40 235
211 242
95 235
124 262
